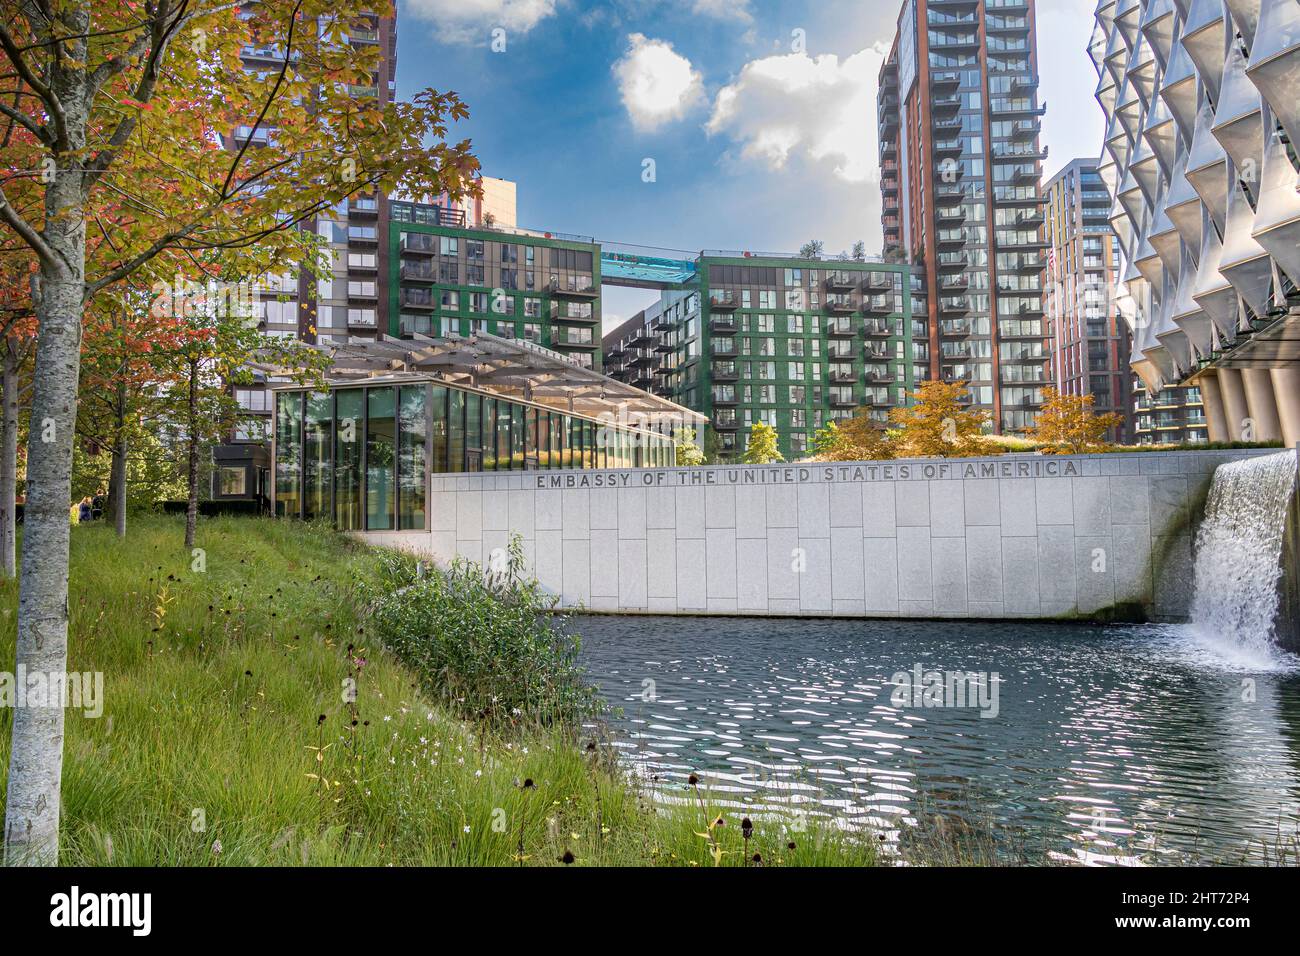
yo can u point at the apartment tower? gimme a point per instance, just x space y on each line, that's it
959 121
1089 340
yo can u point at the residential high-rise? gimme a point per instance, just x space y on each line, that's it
959 121
1200 155
1089 341
454 279
790 342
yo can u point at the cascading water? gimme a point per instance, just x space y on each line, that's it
1239 553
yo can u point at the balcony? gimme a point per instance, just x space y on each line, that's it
948 147
723 325
362 207
951 216
955 328
664 347
417 299
839 350
419 243
877 351
948 80
844 401
841 328
1030 263
661 323
954 306
880 305
879 375
726 425
839 305
957 283
363 294
875 328
573 287
420 273
723 302
1026 129
878 281
1031 310
841 281
950 238
945 104
950 261
725 397
1030 220
727 372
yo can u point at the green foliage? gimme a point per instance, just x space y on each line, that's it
688 451
211 750
762 448
485 644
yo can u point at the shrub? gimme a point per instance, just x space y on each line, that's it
486 643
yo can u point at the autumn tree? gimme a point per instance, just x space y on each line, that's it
1067 425
762 448
859 438
938 424
145 138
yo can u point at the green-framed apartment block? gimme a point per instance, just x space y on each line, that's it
448 280
792 342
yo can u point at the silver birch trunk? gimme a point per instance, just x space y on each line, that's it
36 757
9 460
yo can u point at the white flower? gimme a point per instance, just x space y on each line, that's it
387 718
467 828
478 773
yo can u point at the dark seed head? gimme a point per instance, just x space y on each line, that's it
790 845
567 858
320 720
693 780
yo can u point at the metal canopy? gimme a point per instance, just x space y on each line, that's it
507 367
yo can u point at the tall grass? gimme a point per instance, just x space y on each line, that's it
252 717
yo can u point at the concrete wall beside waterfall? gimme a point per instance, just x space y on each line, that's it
1016 536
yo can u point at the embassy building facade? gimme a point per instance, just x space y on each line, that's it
1200 156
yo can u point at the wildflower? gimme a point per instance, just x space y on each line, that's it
467 828
387 718
216 848
746 828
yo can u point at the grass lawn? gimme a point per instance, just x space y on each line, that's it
227 735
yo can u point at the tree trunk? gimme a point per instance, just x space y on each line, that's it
117 476
36 756
9 459
192 440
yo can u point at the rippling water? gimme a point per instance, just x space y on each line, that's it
1110 744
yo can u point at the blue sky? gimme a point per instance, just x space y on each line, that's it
758 115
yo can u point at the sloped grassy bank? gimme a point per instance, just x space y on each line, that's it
288 697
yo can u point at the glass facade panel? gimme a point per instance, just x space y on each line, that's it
288 454
474 425
455 429
350 413
517 437
381 457
489 434
439 431
589 459
412 470
503 435
318 454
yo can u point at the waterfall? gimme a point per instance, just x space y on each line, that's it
1239 552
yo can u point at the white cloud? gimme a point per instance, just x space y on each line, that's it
463 21
657 83
737 10
822 109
